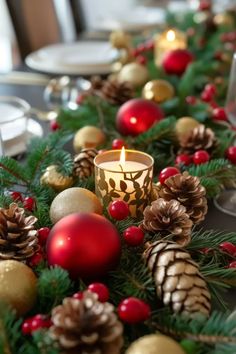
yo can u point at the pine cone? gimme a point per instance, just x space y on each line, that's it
96 82
189 192
168 217
84 163
86 326
200 138
116 92
18 237
178 280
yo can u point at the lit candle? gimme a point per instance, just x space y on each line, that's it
169 40
124 177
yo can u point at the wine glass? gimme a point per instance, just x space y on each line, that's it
226 200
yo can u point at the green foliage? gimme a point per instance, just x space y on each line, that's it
9 329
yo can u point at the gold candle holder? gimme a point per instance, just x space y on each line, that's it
129 179
171 39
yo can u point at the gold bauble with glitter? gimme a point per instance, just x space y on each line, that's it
134 73
55 180
18 286
155 344
158 91
88 137
223 19
74 200
184 125
120 39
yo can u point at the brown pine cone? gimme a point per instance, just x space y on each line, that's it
178 280
116 92
200 138
168 217
18 237
86 326
84 163
189 192
96 82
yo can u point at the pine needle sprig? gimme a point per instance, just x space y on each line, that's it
10 334
13 169
201 239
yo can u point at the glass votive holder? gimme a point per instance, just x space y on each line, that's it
130 181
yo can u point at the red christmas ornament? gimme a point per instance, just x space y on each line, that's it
86 245
29 203
133 310
137 115
183 159
16 196
133 236
117 144
167 172
118 209
228 247
219 114
101 290
232 264
176 61
231 154
43 235
79 295
191 100
54 125
200 157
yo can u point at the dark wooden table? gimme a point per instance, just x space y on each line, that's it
34 95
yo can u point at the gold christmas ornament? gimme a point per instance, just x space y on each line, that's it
134 73
184 125
223 19
55 179
18 286
158 91
74 200
120 39
155 344
88 137
179 283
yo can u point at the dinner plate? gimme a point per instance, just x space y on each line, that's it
84 57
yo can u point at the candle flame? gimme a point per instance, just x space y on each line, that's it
170 35
122 157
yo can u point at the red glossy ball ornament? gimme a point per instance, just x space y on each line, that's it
133 236
137 115
168 172
16 196
133 310
29 203
43 235
219 114
183 159
86 245
101 290
200 156
118 209
117 144
231 154
176 61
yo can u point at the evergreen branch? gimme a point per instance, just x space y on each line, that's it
13 168
201 239
10 334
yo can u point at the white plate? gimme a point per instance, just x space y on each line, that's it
85 57
18 145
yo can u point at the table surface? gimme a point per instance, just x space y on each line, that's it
214 220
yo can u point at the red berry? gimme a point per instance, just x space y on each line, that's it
204 5
16 196
29 203
149 44
133 236
219 114
191 32
191 100
141 48
183 159
43 235
26 326
168 172
117 144
200 156
101 290
232 264
228 247
36 259
141 59
206 250
210 88
133 310
231 154
54 125
79 295
118 210
37 323
135 52
213 104
206 96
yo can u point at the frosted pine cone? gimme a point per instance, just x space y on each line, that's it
86 326
200 138
84 163
168 217
178 280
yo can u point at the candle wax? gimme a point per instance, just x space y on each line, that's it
128 166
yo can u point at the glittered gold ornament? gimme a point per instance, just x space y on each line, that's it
155 344
18 286
223 19
54 179
74 200
119 39
88 137
158 91
134 73
184 125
